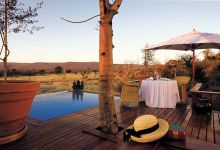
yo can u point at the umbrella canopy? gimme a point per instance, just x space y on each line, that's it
190 41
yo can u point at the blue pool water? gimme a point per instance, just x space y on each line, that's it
49 106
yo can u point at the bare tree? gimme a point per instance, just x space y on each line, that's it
148 56
108 116
15 18
106 102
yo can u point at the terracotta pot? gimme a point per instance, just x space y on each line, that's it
15 101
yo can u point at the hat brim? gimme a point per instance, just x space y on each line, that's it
153 136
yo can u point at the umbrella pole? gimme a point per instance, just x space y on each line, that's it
193 66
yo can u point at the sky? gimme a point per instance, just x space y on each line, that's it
137 23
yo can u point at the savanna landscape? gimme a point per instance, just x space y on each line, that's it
53 80
97 86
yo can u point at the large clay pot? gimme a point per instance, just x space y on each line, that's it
15 101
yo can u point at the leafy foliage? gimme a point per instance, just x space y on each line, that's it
147 57
19 17
185 59
58 70
180 67
14 17
208 71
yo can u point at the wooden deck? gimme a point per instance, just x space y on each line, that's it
66 132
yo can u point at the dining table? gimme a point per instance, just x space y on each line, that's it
160 93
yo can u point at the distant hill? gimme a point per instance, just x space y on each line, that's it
48 67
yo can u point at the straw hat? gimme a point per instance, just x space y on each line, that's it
146 128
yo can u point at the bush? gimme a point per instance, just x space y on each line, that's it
58 70
68 71
42 71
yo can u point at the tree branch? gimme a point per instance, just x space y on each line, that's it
2 44
1 33
102 5
116 5
107 4
8 51
80 21
1 50
98 27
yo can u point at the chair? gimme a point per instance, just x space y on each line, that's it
203 105
129 93
194 93
183 82
202 100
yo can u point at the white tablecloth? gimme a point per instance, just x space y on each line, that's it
159 93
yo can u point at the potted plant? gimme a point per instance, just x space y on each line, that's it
15 96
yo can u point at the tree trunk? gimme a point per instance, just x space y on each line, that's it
193 65
108 116
5 40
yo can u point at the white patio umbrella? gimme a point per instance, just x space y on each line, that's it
190 41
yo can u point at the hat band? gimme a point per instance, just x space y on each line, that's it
128 132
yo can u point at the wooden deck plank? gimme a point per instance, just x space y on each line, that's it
203 129
191 143
189 127
187 119
168 114
183 116
101 145
172 116
210 132
60 131
166 111
196 127
77 141
217 127
178 115
162 112
75 136
65 132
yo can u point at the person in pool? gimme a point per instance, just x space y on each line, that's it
77 85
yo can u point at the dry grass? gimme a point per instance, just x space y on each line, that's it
55 83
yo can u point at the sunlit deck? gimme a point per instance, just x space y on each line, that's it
66 132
